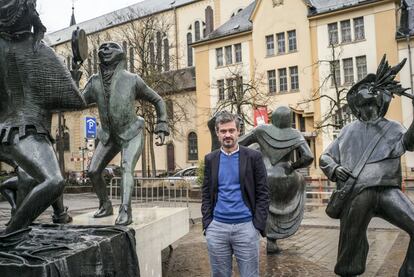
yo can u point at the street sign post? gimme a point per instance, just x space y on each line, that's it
90 127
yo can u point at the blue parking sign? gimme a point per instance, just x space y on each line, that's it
90 124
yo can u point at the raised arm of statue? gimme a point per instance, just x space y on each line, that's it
144 92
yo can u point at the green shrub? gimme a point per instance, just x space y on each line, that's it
200 173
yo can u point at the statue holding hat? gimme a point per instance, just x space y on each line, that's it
278 142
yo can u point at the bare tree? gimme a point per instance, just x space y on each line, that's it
336 115
241 95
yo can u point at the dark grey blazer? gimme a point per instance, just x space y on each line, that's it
253 183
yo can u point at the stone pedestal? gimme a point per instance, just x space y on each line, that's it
155 229
66 250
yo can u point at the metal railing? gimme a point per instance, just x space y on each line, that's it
150 192
319 190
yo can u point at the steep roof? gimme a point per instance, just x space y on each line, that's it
237 24
141 9
324 6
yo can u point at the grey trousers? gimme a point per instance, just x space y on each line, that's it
224 240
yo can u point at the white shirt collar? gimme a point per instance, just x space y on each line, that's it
231 153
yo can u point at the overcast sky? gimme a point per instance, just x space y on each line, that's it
55 14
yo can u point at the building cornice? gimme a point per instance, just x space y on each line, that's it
347 9
222 38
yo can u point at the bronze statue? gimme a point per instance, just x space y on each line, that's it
115 90
364 161
278 142
17 18
33 83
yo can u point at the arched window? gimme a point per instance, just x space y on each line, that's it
131 59
89 66
189 49
170 108
125 47
65 142
95 61
209 20
197 31
152 53
192 146
166 55
69 62
159 50
170 157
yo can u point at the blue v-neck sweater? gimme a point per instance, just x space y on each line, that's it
230 206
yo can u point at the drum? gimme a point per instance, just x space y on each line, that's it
79 45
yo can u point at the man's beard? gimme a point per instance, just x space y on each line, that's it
228 143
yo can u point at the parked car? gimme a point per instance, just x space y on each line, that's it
112 170
77 178
189 174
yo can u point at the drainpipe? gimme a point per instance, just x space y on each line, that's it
176 38
410 63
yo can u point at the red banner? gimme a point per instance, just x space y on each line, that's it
260 116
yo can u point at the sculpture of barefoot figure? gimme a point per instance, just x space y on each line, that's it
115 90
278 142
33 83
364 161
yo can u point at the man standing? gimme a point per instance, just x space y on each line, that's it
235 202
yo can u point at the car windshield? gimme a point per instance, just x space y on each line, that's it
186 172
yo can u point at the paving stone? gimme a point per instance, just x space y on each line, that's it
312 251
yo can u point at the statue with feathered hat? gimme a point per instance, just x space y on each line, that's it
364 161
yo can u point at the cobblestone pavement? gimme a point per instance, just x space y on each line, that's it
310 252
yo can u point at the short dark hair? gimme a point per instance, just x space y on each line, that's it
225 117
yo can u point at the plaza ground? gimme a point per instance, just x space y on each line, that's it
310 252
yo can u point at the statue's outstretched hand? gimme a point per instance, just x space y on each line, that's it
342 173
161 130
161 137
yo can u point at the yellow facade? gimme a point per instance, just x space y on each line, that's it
312 47
267 19
380 27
